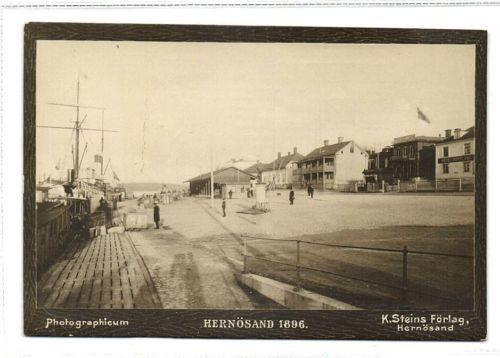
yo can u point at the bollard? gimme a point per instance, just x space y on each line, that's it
298 283
405 275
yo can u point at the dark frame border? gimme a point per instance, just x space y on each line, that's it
188 323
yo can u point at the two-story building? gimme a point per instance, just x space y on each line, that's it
282 172
455 157
414 157
329 166
380 166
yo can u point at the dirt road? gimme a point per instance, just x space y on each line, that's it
194 258
186 262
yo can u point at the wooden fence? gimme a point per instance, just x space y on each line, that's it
423 185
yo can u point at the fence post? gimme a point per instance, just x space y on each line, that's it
399 186
459 184
245 268
436 183
298 283
416 184
405 275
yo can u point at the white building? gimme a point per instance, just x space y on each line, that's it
334 166
282 172
455 158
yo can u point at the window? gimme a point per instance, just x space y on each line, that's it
445 152
466 148
466 167
405 150
446 168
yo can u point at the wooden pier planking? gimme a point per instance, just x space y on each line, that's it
105 272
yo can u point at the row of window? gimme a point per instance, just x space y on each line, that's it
407 150
466 167
328 175
467 150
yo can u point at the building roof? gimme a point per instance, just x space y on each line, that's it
257 167
282 162
326 150
414 138
469 134
218 171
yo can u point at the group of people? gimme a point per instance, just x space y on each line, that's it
291 197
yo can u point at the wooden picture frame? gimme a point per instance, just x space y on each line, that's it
192 323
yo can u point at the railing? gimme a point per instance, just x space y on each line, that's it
318 169
403 287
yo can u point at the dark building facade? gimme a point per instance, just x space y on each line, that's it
380 166
414 156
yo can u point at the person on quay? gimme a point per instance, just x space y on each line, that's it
312 192
156 215
102 203
224 207
292 197
230 194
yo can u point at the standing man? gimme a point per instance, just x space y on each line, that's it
102 203
224 207
156 215
312 192
230 194
292 197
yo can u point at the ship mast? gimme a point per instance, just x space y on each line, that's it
76 165
78 128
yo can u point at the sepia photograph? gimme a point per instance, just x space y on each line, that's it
256 176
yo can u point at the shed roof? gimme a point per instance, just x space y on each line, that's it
218 172
257 167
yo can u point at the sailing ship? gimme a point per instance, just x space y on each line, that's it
80 182
67 207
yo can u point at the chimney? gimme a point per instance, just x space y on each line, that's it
279 155
325 142
456 133
294 150
447 133
340 139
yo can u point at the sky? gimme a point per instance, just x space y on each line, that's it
181 106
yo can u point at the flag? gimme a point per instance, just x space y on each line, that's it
115 176
422 116
98 158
